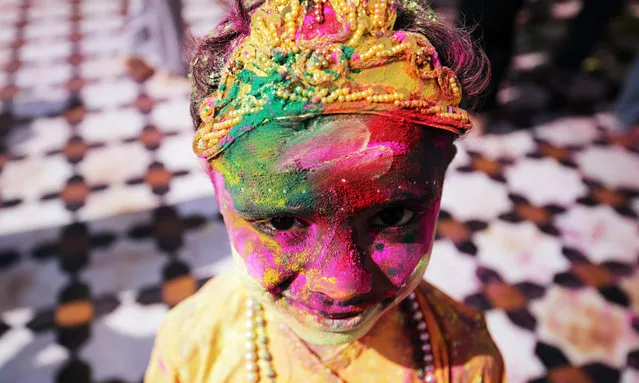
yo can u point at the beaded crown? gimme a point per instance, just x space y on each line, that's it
305 58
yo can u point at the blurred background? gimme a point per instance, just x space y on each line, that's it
106 220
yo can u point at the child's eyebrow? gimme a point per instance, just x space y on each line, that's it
256 212
406 200
304 206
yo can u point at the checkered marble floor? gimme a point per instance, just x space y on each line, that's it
106 221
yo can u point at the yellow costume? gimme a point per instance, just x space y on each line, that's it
202 341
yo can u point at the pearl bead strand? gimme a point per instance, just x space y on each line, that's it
427 368
258 360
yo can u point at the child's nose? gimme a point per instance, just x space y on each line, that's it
339 272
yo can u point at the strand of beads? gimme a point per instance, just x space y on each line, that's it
387 98
318 10
363 26
372 51
336 95
397 49
268 29
290 22
357 96
258 360
378 13
348 10
454 87
423 348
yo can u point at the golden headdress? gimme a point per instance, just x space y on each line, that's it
306 58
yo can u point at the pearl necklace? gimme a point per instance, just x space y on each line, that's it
258 360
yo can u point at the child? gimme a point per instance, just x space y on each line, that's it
327 127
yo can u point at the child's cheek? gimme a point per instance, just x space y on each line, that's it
398 261
270 260
260 259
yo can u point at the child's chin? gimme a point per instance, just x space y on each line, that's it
324 331
324 336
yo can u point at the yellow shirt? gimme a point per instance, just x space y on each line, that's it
202 341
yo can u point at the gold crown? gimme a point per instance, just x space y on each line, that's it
321 57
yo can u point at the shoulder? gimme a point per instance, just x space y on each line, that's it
466 335
190 334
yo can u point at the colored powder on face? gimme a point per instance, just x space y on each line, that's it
270 276
331 169
249 175
410 237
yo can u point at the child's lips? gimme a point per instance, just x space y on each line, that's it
333 318
333 310
338 315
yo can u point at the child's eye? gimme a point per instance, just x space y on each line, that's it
284 223
394 216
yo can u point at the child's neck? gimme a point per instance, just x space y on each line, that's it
325 352
391 319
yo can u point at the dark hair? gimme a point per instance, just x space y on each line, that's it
454 46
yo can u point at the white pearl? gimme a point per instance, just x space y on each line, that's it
250 313
415 306
250 356
429 379
250 325
418 315
250 366
411 295
426 347
424 337
428 358
252 377
249 334
249 345
421 326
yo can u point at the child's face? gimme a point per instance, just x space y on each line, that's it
333 224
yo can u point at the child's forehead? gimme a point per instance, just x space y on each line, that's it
342 143
332 160
284 142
